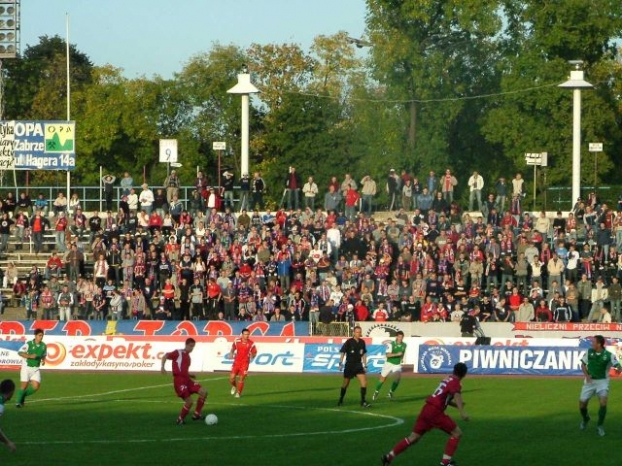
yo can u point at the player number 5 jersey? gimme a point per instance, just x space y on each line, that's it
444 393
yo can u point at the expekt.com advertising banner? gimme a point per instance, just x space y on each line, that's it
492 360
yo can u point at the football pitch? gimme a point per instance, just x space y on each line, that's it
128 419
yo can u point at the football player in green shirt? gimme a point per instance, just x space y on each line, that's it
595 366
393 365
34 353
7 388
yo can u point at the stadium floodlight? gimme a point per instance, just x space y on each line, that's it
9 28
244 88
576 83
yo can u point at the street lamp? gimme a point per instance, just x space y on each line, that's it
244 88
576 83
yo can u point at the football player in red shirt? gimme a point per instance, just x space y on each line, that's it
432 416
243 350
184 383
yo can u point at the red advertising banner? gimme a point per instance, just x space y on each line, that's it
567 327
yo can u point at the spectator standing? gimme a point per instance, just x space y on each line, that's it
74 203
501 188
615 298
599 296
310 191
368 191
351 201
132 201
108 189
393 188
526 312
245 189
448 184
407 195
227 185
292 188
424 202
126 184
476 184
171 183
258 188
332 199
555 268
5 231
146 199
39 224
432 183
518 186
65 302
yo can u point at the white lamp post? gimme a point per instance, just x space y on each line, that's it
244 88
576 83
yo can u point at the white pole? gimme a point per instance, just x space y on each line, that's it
101 186
68 97
535 183
245 134
576 145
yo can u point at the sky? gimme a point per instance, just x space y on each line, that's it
149 37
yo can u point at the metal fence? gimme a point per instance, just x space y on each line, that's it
91 197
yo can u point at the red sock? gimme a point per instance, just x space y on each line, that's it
184 412
451 446
399 447
240 387
200 403
232 382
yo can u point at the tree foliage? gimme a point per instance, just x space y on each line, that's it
465 84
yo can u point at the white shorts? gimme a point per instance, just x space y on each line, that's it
30 373
598 387
390 368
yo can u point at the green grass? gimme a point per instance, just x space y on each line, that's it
128 419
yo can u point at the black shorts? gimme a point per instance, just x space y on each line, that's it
352 371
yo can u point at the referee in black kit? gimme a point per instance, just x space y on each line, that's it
355 353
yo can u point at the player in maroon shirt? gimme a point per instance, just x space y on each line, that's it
432 416
183 381
244 350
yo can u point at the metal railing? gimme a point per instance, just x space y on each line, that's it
91 197
561 195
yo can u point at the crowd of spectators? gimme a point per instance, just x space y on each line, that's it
161 258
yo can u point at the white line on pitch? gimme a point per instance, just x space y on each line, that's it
114 392
396 421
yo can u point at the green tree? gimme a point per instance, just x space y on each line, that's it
36 82
426 50
214 114
547 35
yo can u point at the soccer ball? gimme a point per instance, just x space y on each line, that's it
211 420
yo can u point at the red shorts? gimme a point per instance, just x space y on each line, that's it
430 418
184 387
240 368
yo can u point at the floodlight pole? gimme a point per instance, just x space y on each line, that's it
68 99
244 88
576 83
